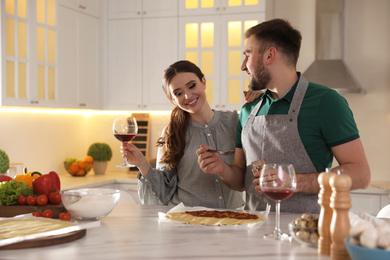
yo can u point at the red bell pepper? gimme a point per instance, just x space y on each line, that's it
47 183
4 178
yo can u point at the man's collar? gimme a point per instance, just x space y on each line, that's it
289 94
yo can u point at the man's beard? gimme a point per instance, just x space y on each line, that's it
260 78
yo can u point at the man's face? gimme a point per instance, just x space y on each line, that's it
253 64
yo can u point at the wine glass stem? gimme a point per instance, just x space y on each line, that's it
277 220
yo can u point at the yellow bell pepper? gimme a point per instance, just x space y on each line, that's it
28 177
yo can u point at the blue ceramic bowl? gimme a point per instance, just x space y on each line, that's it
363 253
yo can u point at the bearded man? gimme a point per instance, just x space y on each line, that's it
294 121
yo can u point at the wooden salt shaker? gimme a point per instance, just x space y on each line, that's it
340 202
326 213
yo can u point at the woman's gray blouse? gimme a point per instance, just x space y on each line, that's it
187 183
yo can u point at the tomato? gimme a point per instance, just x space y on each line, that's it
22 200
55 197
31 200
36 214
65 216
42 200
47 213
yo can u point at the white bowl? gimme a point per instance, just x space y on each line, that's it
90 204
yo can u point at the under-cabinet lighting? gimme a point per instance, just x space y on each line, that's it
83 112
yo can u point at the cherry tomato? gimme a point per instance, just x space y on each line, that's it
47 213
42 200
31 200
65 216
55 197
36 214
22 200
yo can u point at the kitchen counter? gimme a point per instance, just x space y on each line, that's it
135 232
90 180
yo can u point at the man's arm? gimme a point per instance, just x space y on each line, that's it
232 175
351 159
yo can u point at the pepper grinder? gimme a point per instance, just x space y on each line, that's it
326 213
340 202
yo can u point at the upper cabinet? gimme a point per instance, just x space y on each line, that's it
142 43
80 77
90 7
29 53
118 9
212 36
210 7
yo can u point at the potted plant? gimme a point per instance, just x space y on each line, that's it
101 154
4 162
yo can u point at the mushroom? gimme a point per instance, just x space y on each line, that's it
369 237
383 235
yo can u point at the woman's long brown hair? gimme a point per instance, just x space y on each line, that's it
173 140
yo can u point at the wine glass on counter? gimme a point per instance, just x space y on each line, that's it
125 129
277 182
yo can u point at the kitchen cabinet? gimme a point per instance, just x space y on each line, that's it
90 7
201 7
215 43
370 200
29 64
119 9
80 59
139 50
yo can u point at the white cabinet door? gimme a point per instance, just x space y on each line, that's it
119 9
89 90
79 60
124 64
91 7
160 49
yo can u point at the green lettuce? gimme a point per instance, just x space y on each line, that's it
10 191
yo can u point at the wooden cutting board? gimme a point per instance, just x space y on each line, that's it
47 241
14 210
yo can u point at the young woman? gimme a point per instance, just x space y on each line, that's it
178 177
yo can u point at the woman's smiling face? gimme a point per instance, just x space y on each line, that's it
188 92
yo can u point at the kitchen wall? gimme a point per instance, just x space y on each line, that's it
42 141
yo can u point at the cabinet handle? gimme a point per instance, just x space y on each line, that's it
144 12
82 104
217 8
139 106
223 106
138 13
223 8
145 105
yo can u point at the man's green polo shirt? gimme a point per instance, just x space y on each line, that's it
325 120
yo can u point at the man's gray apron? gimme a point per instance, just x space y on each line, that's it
276 139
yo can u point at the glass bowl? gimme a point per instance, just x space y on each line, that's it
307 236
90 204
80 172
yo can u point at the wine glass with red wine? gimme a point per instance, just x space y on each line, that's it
125 129
277 182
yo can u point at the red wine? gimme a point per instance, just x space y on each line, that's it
124 137
278 194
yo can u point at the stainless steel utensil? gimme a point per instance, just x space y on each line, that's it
220 152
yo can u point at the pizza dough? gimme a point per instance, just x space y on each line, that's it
23 227
213 217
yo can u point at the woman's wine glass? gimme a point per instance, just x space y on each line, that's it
277 182
125 129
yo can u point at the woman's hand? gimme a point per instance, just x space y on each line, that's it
135 157
252 95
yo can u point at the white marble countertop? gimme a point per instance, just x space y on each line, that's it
68 181
135 232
